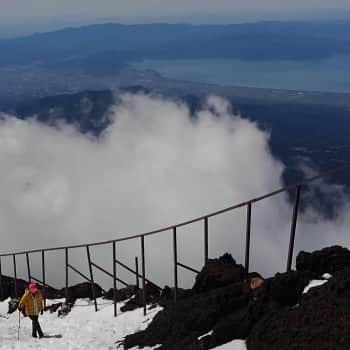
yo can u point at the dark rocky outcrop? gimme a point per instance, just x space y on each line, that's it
321 320
178 326
218 273
121 294
82 290
168 294
218 291
283 290
53 307
270 313
8 287
329 260
286 288
228 312
12 306
152 294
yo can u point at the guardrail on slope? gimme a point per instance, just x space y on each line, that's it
172 229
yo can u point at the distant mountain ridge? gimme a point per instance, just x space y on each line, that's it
298 129
90 45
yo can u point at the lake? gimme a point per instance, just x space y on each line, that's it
332 75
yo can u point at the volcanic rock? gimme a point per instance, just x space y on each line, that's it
82 290
12 305
168 294
321 320
53 307
8 288
179 325
218 273
229 312
121 294
328 260
271 295
286 289
152 294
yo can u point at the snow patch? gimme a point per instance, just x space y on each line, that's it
82 328
313 284
206 334
233 345
147 347
327 276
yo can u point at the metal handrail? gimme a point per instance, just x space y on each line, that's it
172 228
191 221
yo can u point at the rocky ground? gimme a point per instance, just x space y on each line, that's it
78 291
224 304
270 314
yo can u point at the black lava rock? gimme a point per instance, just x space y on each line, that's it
286 288
230 312
321 320
8 288
218 273
329 260
82 290
179 326
121 294
152 294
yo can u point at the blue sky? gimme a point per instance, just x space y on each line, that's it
25 16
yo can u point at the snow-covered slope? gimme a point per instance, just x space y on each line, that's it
233 345
81 329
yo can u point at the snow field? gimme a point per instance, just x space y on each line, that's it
84 329
81 329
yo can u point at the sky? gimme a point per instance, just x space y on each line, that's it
154 166
19 17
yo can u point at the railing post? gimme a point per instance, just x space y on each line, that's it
175 263
43 275
143 274
293 229
1 288
91 277
67 276
114 279
247 238
28 268
15 273
206 244
137 272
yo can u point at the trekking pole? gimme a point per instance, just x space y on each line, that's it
19 324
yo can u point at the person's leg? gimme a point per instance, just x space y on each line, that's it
37 327
40 332
33 326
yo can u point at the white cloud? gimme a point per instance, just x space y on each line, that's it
154 166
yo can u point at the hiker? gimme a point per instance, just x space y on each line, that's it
31 304
247 308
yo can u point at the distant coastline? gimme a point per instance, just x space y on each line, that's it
328 75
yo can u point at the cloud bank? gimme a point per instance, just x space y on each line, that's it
154 166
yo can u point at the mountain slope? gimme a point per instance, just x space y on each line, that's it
264 40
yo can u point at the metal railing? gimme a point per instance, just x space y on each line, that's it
176 263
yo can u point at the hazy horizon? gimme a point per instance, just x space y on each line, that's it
18 18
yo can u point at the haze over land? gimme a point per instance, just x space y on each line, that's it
284 55
83 165
153 166
327 75
118 118
25 17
